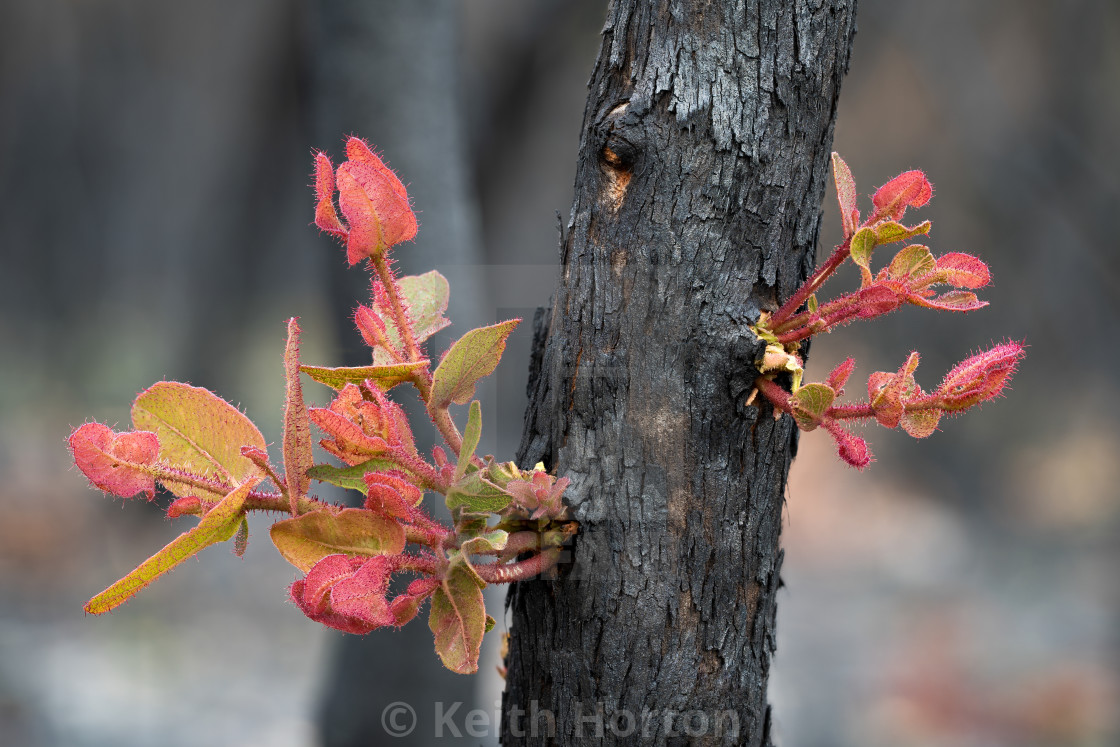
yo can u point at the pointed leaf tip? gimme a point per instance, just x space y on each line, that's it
218 525
472 357
845 194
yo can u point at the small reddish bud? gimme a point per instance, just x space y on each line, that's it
372 199
839 376
373 331
115 462
980 377
849 447
187 505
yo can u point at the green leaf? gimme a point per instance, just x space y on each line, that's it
307 539
198 432
810 403
912 261
493 540
889 232
386 377
458 620
297 428
477 495
920 423
845 194
490 623
426 298
472 357
471 435
218 525
862 244
352 478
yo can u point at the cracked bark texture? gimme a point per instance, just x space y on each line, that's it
702 167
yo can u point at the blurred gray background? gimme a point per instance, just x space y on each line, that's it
155 223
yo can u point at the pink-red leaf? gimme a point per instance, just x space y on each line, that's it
839 375
962 270
325 216
909 189
361 595
118 463
374 203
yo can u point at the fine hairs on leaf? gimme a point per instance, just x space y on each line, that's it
507 524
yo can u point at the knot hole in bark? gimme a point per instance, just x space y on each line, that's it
617 156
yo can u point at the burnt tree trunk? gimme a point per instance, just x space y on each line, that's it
702 167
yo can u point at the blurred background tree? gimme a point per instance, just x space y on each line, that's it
154 223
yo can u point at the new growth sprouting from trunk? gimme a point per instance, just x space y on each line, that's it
666 390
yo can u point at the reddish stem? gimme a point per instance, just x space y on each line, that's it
519 571
839 254
404 326
776 395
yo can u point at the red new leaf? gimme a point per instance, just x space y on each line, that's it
116 462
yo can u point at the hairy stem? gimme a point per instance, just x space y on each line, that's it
839 254
400 316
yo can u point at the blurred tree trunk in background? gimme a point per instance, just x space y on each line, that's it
388 72
702 166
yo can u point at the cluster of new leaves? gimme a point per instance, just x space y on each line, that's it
912 277
506 524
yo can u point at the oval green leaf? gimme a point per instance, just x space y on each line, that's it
307 539
458 620
199 432
473 356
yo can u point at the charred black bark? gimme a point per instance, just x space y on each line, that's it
702 166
